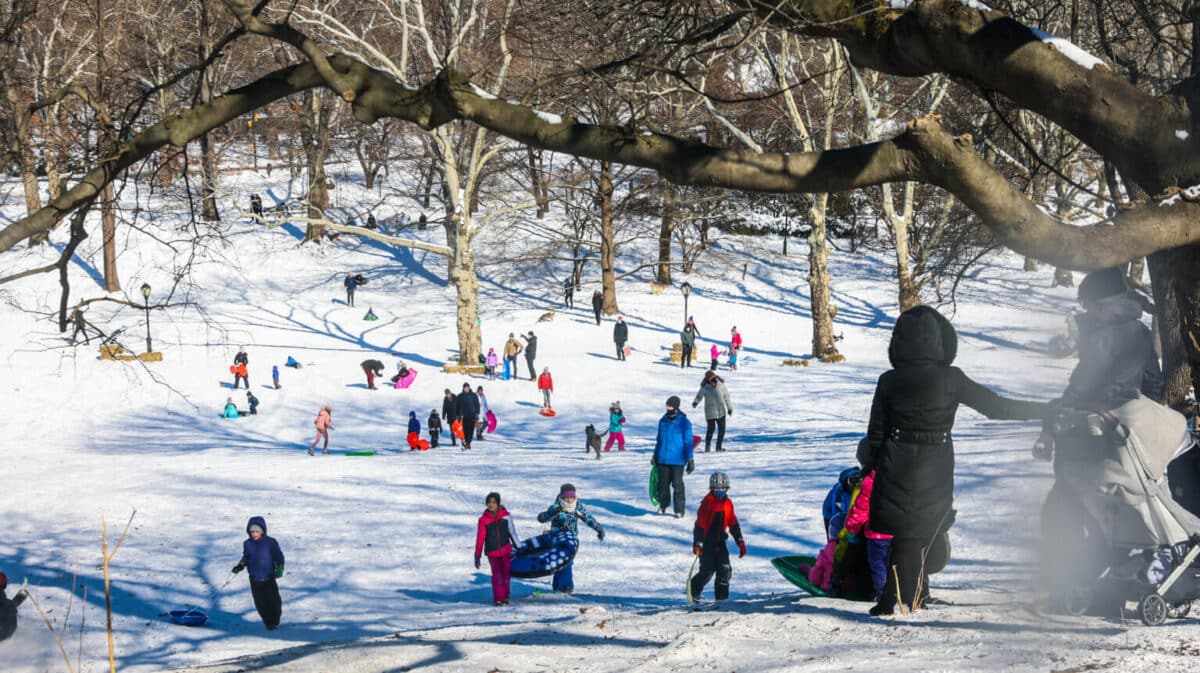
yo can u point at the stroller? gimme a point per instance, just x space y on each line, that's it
1129 482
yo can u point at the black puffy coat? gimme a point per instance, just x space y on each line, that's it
468 405
8 614
450 407
1116 357
911 419
620 332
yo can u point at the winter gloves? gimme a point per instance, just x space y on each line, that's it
477 563
697 550
741 548
279 570
691 466
600 532
238 568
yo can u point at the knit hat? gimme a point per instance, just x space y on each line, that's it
566 491
1103 283
254 527
673 401
412 414
466 385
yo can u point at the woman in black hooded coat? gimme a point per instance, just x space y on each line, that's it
911 449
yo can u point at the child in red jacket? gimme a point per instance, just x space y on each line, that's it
496 536
546 385
709 536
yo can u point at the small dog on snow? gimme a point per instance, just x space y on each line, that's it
593 440
547 316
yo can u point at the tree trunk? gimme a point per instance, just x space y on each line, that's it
108 224
1184 264
665 230
461 273
608 252
1176 371
909 294
208 161
1137 269
537 181
314 133
823 345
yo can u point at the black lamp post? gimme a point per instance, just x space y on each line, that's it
146 296
686 289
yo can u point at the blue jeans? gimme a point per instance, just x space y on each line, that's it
877 560
564 580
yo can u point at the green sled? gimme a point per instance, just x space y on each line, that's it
654 485
360 453
790 568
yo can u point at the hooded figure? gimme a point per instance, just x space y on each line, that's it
8 609
910 446
263 559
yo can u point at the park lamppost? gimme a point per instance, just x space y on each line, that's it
686 289
146 296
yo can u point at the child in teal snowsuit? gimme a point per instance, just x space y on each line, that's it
564 515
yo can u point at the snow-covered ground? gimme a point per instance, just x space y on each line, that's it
379 568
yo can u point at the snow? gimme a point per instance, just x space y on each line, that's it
1067 48
1181 134
379 574
548 117
1190 193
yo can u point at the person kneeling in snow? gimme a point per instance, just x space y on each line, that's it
264 559
709 536
564 515
231 410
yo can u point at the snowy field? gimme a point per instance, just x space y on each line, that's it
379 549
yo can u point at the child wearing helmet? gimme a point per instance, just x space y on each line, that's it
709 536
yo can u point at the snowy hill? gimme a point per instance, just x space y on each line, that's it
379 569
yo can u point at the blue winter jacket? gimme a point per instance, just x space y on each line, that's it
673 446
230 411
262 557
560 519
837 501
413 424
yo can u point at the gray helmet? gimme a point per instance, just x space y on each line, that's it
719 481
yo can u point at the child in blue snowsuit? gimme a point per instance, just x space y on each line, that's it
564 515
263 558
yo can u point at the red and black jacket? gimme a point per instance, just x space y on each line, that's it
711 521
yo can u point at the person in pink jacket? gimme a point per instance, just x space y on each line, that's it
496 536
715 352
491 363
821 574
858 521
324 423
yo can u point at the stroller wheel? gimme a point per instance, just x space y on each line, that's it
1152 609
1180 611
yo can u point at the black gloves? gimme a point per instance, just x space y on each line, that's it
239 568
691 466
600 532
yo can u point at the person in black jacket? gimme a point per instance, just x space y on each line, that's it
264 560
372 368
450 413
597 304
911 450
434 424
468 412
569 292
530 354
620 336
8 609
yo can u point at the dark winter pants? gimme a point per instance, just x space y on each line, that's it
670 477
1073 551
243 379
453 437
596 310
715 559
905 562
685 360
433 438
620 350
267 601
370 378
501 576
529 361
480 426
468 424
569 298
719 424
713 366
564 580
877 557
349 297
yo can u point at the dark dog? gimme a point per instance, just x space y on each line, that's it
593 440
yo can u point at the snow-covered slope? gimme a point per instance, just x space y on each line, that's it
379 573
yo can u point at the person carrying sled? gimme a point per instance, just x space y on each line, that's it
565 515
434 424
716 405
240 369
414 432
8 609
620 336
324 423
911 450
545 384
468 412
263 558
371 368
351 283
512 348
709 536
496 536
673 447
616 428
450 413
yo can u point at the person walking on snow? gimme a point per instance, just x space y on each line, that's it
511 348
450 414
324 423
530 353
434 424
597 304
564 516
263 558
673 454
715 354
8 609
481 424
620 336
716 405
372 368
491 363
688 339
496 536
616 428
240 369
275 376
468 413
546 385
569 293
709 538
351 284
691 322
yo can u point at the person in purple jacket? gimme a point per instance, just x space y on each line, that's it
263 559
